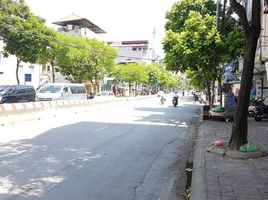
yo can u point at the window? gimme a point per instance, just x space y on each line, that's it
65 90
48 68
50 89
78 89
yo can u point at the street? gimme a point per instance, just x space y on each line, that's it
134 150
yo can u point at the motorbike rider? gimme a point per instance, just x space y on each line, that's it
176 95
175 98
162 95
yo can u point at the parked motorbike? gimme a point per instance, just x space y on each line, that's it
258 109
175 101
262 112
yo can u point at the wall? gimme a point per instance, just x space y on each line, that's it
8 71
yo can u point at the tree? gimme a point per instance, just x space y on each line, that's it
51 54
81 59
195 47
23 34
194 42
131 73
251 29
179 12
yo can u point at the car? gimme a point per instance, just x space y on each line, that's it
104 95
61 91
17 93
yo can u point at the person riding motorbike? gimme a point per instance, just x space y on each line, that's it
162 96
175 99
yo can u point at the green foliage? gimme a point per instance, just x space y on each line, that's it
198 79
154 75
193 42
234 43
195 46
180 11
131 73
24 35
82 59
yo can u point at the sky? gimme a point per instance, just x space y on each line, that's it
121 19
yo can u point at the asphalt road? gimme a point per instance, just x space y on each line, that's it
123 151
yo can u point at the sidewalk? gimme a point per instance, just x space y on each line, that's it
217 177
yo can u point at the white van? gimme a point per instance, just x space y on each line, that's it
61 91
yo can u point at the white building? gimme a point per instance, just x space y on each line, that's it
137 51
29 74
79 26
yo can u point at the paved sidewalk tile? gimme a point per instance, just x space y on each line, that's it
228 178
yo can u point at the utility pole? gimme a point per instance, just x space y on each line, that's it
153 51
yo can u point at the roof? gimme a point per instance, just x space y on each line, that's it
79 21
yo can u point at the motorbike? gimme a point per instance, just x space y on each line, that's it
175 101
258 109
162 100
200 99
262 112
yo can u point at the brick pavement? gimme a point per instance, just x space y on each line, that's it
216 177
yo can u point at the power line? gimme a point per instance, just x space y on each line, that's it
48 38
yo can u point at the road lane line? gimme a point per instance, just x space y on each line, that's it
101 128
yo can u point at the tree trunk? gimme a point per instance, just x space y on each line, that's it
212 94
220 89
53 70
129 89
240 125
209 96
136 88
17 71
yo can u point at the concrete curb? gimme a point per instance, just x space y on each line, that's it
198 185
10 113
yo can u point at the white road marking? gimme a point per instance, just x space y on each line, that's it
101 128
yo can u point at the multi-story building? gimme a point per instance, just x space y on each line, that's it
137 51
260 78
80 26
73 25
263 49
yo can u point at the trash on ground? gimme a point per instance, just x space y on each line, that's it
219 109
188 169
249 147
218 143
186 194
